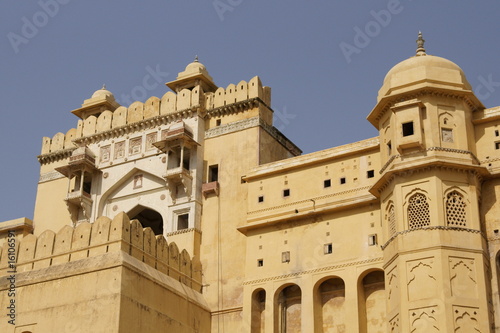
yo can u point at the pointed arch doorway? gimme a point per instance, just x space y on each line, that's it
148 218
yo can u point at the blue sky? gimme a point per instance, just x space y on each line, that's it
324 60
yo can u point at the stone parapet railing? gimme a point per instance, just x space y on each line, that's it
94 239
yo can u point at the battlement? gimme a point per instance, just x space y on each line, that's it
171 106
101 237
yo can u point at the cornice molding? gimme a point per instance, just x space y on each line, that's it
55 156
392 100
317 270
439 227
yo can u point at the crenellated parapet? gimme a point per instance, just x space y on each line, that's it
171 107
99 238
238 93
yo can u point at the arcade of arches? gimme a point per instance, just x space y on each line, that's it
285 307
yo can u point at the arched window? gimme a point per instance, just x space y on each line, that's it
455 210
289 308
391 219
331 306
258 308
418 211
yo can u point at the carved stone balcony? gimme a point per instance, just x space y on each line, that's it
76 197
179 176
209 188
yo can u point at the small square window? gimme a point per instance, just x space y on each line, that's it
260 262
328 248
372 240
261 198
218 122
182 221
285 256
286 193
497 145
408 129
213 173
342 180
370 173
327 183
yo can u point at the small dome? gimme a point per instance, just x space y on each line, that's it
102 93
195 67
423 70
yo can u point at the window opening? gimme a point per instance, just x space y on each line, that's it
370 173
182 221
418 211
327 183
408 129
286 193
455 209
328 248
213 173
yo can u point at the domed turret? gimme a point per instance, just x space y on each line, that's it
423 70
101 100
103 93
194 74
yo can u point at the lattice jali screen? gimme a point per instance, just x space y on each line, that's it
392 221
455 210
418 211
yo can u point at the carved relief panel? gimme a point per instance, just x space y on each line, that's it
393 293
424 320
120 149
105 153
463 277
394 324
422 282
466 319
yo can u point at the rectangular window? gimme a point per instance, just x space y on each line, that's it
328 248
497 145
370 173
285 256
213 173
182 221
286 193
260 262
389 148
261 198
408 129
327 183
342 180
372 240
496 133
218 122
447 135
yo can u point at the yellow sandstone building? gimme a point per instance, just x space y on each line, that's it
192 213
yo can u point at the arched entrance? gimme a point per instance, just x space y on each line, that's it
148 218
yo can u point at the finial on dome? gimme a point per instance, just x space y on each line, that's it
420 45
103 86
196 58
